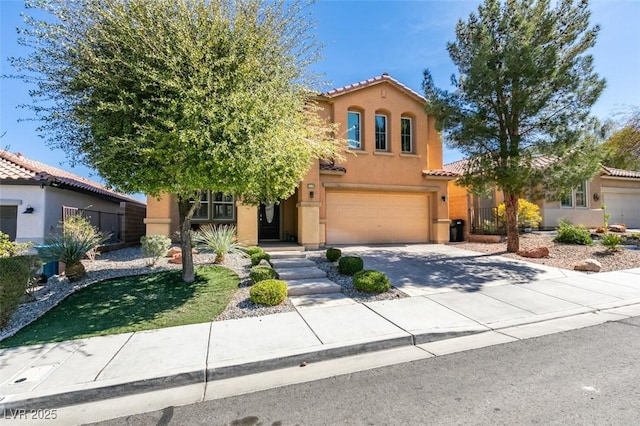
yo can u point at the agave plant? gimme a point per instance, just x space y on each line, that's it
74 239
221 240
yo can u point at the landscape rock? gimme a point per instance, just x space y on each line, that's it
173 251
589 265
265 263
618 228
176 258
534 252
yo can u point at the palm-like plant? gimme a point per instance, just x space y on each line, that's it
221 240
74 239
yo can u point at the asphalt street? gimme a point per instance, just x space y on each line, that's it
586 376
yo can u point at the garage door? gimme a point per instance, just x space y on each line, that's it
623 208
372 217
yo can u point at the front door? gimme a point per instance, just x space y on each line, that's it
269 225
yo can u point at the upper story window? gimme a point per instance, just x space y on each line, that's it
215 206
354 135
406 134
381 132
577 197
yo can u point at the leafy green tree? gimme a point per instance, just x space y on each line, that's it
179 96
521 106
623 146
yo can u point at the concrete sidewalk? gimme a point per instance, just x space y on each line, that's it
327 327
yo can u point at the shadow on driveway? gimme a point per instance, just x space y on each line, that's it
431 269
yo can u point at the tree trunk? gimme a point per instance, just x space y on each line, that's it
513 238
186 210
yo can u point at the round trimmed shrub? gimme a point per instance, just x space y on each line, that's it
269 292
349 265
333 254
257 257
253 250
261 273
371 281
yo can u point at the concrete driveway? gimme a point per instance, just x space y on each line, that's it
423 269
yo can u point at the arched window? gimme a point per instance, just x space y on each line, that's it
406 134
354 129
382 131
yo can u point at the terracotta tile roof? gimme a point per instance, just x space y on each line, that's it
456 167
384 78
332 167
610 171
544 161
18 167
440 173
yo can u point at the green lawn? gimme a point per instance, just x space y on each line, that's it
127 304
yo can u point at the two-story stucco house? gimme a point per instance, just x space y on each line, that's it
390 188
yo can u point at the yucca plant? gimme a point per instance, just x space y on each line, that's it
70 244
221 240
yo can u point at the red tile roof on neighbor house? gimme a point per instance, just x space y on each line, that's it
384 78
439 173
543 161
610 171
19 168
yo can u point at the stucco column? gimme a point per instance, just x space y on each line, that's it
247 223
158 220
441 221
309 224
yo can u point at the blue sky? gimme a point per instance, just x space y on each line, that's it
364 39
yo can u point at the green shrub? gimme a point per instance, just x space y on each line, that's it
257 257
611 242
155 247
220 239
14 279
635 236
253 250
349 265
261 273
10 248
528 214
371 281
333 254
74 239
269 292
570 234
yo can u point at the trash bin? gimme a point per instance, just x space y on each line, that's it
48 269
456 231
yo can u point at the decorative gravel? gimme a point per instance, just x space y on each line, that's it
346 282
564 256
129 262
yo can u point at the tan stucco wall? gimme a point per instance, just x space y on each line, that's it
304 214
392 170
162 216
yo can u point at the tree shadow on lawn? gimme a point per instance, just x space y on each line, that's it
431 270
134 303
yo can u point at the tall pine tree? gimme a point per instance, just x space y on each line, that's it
524 90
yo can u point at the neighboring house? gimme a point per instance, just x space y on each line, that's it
390 189
618 189
34 195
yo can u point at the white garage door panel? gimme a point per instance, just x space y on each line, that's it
370 217
623 208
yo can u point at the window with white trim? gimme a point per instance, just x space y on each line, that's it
353 132
381 132
406 134
577 198
215 206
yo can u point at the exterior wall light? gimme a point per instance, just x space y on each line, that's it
596 196
28 210
444 198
